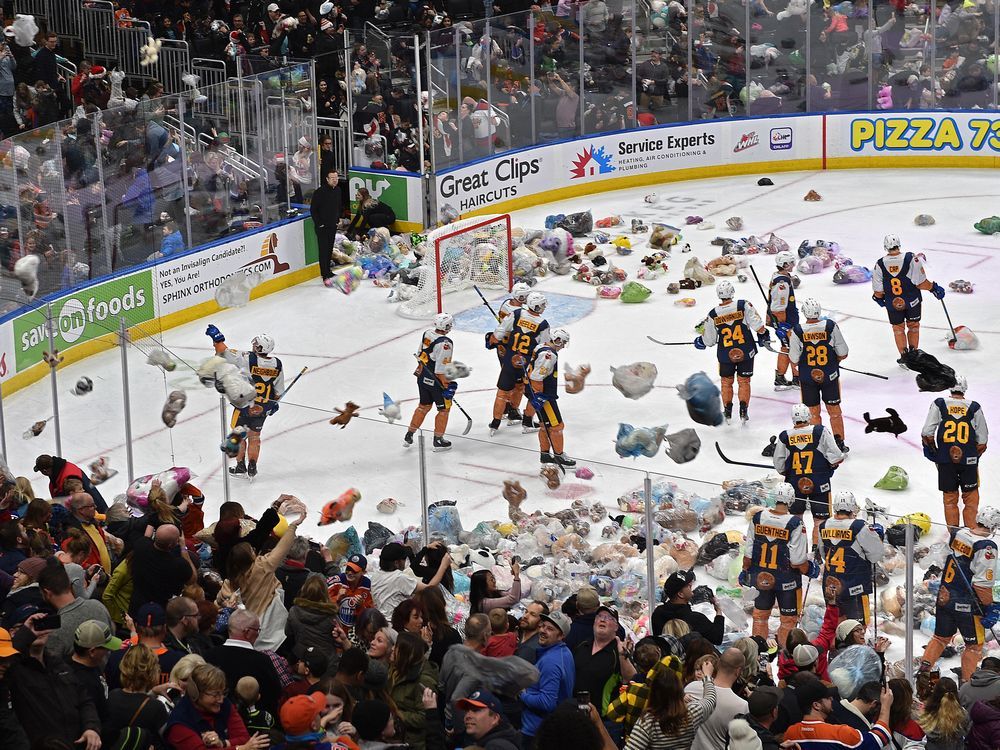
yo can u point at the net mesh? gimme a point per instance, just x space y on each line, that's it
466 253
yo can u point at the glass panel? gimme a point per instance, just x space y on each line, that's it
557 72
661 75
777 60
607 76
719 59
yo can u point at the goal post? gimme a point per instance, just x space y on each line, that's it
466 253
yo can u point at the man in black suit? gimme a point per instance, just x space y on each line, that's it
237 658
326 208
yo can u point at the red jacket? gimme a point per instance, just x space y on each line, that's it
61 473
823 643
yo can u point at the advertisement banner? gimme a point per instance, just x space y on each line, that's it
83 316
913 135
401 192
640 153
192 279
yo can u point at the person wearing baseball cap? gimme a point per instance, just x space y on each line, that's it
677 592
602 661
351 589
310 665
557 675
151 628
302 719
815 732
485 723
762 710
93 643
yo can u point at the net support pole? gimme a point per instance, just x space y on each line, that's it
647 492
126 397
225 456
425 518
53 360
3 428
908 605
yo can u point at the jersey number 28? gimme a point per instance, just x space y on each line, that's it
817 355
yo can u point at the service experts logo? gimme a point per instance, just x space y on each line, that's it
592 162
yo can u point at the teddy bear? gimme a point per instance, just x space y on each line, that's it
795 8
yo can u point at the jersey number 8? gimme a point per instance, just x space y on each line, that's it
895 286
955 432
802 462
817 355
732 336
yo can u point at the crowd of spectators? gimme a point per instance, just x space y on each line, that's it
133 628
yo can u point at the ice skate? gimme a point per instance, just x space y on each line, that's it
408 440
744 413
513 415
494 427
841 444
239 469
727 412
529 425
251 469
545 457
563 461
781 383
440 444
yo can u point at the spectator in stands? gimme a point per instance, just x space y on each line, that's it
8 67
394 581
312 617
556 676
47 70
182 626
860 711
678 590
58 594
93 642
237 658
713 733
528 629
205 717
61 474
161 566
443 635
135 704
483 593
670 720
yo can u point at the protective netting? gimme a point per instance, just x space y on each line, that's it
457 256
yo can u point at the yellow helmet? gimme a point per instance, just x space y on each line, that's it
921 520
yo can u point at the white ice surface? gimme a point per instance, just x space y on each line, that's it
357 347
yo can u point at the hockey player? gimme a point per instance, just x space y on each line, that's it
965 599
897 280
268 378
731 325
778 556
519 293
434 354
782 313
954 437
807 456
520 333
851 547
818 347
543 386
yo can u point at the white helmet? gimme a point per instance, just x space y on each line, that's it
443 322
844 502
559 337
783 259
988 517
811 307
961 384
262 344
784 493
891 241
800 413
536 302
725 290
520 291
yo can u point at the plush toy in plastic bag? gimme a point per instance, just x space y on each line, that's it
852 275
683 446
704 401
235 291
965 339
852 668
577 224
444 522
809 265
375 537
345 543
638 441
348 279
989 225
228 380
634 380
634 292
170 480
895 478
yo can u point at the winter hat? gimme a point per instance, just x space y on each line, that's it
846 627
97 72
31 567
805 655
742 736
325 25
370 718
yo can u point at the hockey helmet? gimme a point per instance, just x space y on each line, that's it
520 291
536 302
891 242
811 307
784 493
800 413
443 322
988 517
262 343
961 384
784 259
844 502
725 290
559 337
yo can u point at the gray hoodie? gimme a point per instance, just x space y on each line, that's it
984 685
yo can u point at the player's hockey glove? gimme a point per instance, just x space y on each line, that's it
449 391
781 332
764 338
699 343
930 451
813 570
490 341
937 290
537 399
991 614
215 334
745 579
878 529
880 301
271 407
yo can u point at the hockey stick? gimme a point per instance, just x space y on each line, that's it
728 460
670 343
545 426
972 591
767 300
468 419
486 302
954 336
873 512
862 372
294 381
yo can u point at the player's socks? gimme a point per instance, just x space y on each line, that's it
494 427
562 460
744 412
251 468
240 468
440 444
407 439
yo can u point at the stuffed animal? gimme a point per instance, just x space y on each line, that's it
345 415
795 8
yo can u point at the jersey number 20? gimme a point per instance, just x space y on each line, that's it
955 432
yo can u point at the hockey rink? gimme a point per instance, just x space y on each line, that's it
356 347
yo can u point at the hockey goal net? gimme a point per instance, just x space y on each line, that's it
460 255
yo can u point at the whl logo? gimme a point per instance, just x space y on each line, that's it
268 262
747 140
592 162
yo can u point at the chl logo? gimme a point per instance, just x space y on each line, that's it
747 140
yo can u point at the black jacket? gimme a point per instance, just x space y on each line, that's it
503 737
711 629
842 715
238 662
326 206
767 739
48 701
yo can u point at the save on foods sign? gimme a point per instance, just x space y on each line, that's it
400 191
84 315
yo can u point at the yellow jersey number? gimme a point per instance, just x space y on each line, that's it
817 355
521 343
769 556
732 336
835 560
955 432
263 392
895 286
802 462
